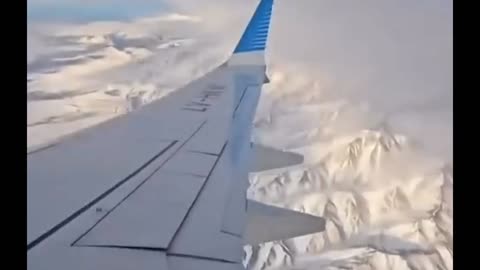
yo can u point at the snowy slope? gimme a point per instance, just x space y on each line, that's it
387 198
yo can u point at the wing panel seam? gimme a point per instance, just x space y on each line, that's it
139 185
198 195
55 228
240 101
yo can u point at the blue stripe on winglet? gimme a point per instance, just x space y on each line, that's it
255 36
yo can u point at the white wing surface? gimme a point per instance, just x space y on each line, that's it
163 187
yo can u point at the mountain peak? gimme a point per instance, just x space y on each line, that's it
366 149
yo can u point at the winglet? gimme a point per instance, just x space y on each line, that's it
251 47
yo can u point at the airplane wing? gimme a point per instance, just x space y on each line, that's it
163 187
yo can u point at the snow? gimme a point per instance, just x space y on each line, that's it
365 96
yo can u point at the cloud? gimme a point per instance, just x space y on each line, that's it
394 56
402 50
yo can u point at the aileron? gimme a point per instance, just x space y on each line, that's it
149 217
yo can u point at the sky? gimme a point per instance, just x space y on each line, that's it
87 11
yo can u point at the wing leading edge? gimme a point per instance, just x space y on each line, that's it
163 187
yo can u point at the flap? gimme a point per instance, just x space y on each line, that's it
268 223
267 158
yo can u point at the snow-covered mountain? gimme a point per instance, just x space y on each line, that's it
380 214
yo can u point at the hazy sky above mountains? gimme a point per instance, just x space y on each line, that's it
395 56
88 10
